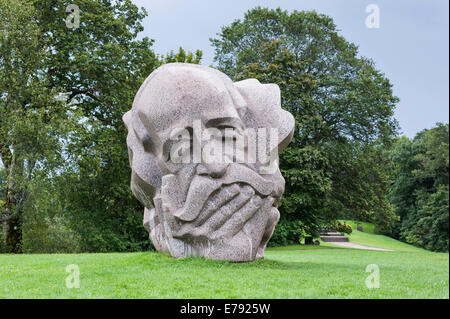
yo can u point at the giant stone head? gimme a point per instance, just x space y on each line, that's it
204 157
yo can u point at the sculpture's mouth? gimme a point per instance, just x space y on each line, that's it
202 187
233 215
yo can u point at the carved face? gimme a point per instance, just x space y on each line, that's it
204 152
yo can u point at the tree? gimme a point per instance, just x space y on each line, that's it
33 120
2 202
365 184
182 57
99 67
2 180
94 71
80 181
341 103
420 189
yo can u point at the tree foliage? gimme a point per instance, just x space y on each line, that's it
33 119
420 188
63 143
98 66
343 108
182 57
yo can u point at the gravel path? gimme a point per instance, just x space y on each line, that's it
352 245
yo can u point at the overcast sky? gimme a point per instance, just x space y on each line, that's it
410 46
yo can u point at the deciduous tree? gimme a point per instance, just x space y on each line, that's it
343 107
420 191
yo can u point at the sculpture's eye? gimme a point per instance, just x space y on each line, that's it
228 139
228 133
226 122
178 149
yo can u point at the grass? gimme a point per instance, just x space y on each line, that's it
368 238
298 271
367 227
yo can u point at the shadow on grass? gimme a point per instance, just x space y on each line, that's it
165 260
304 247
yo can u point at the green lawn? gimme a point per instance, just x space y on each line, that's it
367 227
323 271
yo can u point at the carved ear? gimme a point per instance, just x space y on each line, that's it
145 173
133 122
264 109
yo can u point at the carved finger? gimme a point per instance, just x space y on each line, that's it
233 225
274 217
216 202
257 224
225 212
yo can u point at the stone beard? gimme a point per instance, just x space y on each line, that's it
201 199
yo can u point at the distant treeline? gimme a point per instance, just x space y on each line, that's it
420 188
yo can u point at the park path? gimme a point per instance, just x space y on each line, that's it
356 246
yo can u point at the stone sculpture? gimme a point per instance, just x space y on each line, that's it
201 197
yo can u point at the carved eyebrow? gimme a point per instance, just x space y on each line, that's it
232 122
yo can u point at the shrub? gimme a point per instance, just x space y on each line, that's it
51 235
342 227
287 233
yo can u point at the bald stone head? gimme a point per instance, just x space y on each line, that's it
204 157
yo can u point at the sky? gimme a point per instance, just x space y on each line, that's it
410 45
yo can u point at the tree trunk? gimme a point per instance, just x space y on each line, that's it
13 236
4 232
13 198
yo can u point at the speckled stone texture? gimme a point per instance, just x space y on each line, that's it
223 210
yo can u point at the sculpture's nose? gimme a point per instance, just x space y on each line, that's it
215 170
